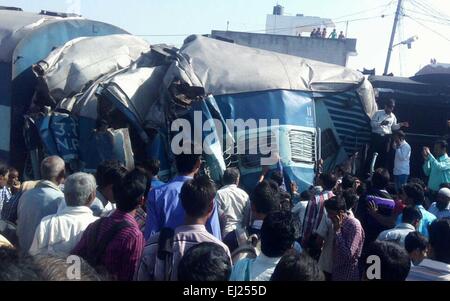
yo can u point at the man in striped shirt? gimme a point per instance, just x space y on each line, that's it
116 242
437 266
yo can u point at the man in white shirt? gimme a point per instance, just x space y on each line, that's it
410 222
383 122
402 159
232 202
437 266
61 232
441 208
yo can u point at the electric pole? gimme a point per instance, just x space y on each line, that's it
391 43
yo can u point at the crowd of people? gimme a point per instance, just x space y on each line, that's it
323 34
128 225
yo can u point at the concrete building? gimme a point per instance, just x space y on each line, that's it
331 51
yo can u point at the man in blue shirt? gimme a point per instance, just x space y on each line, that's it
413 195
437 167
164 208
152 168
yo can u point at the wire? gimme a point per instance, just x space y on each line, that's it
430 29
429 11
273 31
367 10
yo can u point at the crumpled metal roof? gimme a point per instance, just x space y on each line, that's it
226 68
69 68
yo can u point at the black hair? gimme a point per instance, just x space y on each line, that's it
329 180
230 176
153 166
278 233
336 204
444 185
439 237
418 181
415 241
442 144
390 103
277 177
348 181
350 197
205 262
414 192
14 268
400 134
197 196
306 195
110 173
394 260
4 170
411 214
265 199
130 191
297 267
285 201
380 179
186 163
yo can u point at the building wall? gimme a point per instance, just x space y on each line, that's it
324 50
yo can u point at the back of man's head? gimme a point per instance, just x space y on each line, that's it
297 267
79 189
231 176
394 261
411 215
328 181
348 182
415 193
440 240
52 169
153 166
129 192
350 197
265 199
109 173
205 262
197 197
415 241
380 179
278 233
187 163
277 177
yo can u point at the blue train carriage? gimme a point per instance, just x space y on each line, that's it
291 100
321 110
27 38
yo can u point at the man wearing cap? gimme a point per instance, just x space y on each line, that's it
441 208
383 123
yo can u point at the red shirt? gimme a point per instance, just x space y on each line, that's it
123 253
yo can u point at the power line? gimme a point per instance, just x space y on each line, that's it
429 10
430 29
387 5
276 30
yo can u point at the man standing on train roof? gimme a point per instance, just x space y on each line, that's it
383 123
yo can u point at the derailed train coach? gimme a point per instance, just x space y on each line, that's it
314 111
25 39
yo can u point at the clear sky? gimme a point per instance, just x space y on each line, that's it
169 21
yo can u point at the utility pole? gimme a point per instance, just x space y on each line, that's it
228 25
346 30
391 43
